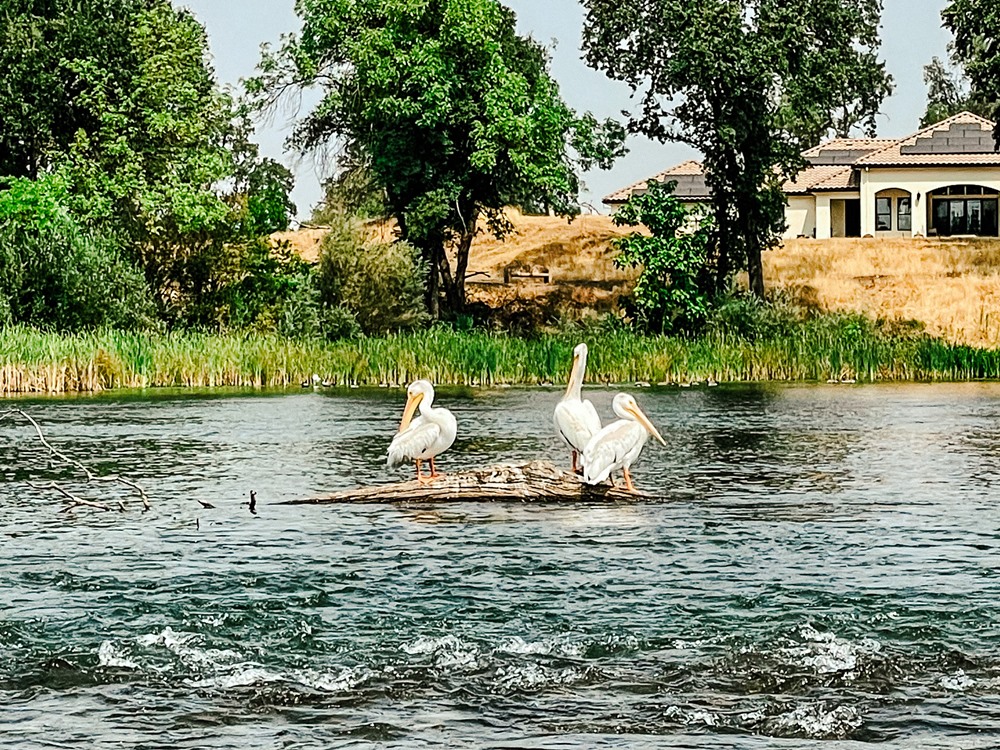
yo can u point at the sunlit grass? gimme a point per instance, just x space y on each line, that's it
829 347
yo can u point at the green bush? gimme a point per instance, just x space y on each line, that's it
750 318
673 293
71 280
380 284
55 274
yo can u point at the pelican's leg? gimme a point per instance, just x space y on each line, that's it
575 469
420 476
434 471
628 481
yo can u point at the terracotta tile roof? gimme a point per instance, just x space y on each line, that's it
690 178
825 177
849 144
963 139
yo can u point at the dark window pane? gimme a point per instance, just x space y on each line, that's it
990 218
941 213
903 215
883 214
974 211
958 224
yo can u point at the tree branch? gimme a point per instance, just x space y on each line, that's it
72 499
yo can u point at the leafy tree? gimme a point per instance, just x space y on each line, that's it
452 114
976 46
40 113
117 98
55 273
750 83
948 93
673 292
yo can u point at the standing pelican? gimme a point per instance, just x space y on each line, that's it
619 444
425 437
576 420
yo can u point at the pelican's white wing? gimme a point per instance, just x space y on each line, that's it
413 442
610 448
576 422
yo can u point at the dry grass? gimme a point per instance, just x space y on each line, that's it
571 251
952 287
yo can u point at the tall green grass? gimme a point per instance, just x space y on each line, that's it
827 347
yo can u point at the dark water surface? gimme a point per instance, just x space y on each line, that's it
822 572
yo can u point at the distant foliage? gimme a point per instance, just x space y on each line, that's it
976 47
675 288
948 93
379 284
117 101
445 113
56 274
750 84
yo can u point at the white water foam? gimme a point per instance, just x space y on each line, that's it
545 647
109 654
181 645
828 654
531 676
818 721
448 652
692 717
245 675
958 682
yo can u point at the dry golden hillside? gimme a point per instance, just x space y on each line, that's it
953 287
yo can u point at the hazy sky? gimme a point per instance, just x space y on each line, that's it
911 35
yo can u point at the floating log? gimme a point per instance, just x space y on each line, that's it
538 481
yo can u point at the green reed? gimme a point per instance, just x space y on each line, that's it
829 347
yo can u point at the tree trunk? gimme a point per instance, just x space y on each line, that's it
755 269
538 481
723 261
448 283
462 263
430 257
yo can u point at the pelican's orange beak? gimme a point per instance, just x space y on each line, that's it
411 406
644 421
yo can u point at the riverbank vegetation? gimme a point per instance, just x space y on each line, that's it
138 219
745 340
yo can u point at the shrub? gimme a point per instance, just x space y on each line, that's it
380 284
674 290
54 273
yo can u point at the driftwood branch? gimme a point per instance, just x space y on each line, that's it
72 500
538 481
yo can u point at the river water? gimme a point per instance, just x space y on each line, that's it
821 569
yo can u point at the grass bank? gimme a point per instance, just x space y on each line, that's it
827 347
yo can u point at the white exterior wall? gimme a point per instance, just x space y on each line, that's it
830 214
918 182
800 216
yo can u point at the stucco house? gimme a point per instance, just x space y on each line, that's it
941 181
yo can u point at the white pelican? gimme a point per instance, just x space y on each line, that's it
425 437
576 420
619 444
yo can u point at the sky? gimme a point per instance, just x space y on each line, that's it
911 36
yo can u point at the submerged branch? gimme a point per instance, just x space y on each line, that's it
71 499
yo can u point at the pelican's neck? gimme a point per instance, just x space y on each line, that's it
620 411
575 384
427 402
